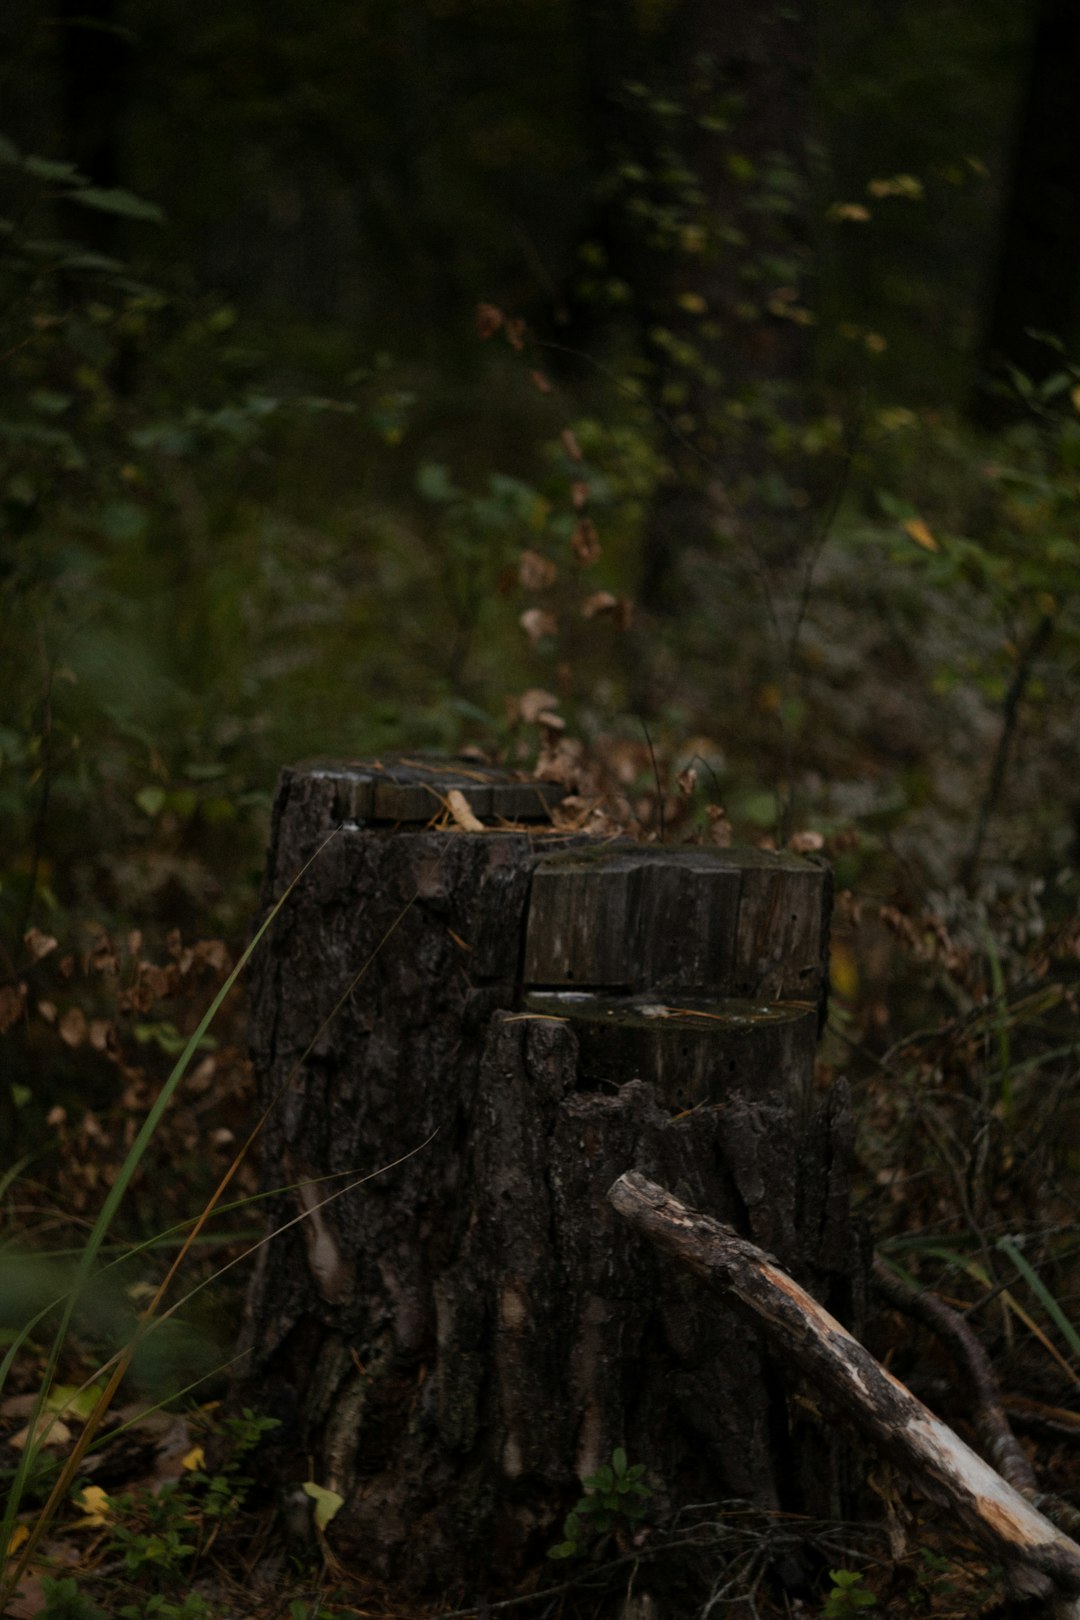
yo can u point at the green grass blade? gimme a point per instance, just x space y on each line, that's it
1008 1246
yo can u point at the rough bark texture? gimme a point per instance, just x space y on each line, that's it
458 1341
1039 1560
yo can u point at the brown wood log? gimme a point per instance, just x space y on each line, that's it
454 1344
1039 1560
734 923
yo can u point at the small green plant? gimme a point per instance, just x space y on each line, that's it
157 1607
934 1580
615 1499
153 1531
64 1601
157 1534
849 1597
223 1492
310 1609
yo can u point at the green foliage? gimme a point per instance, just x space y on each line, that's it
158 1534
616 1498
154 1532
159 1607
65 1601
848 1597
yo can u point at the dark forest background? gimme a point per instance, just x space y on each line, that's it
678 398
792 276
702 379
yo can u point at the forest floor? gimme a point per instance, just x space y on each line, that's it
953 1018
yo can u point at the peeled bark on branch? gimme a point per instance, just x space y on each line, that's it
1039 1560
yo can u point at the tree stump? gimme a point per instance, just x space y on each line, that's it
454 1344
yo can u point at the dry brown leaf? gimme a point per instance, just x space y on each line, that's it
100 1031
39 944
531 704
537 624
48 1431
560 760
72 1027
103 955
687 781
570 444
515 333
599 602
535 571
806 842
721 832
201 1077
461 810
540 382
12 1002
579 494
586 541
489 318
215 953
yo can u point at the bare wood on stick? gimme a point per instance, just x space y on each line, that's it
1039 1560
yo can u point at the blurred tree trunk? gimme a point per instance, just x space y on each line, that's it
1037 285
94 50
705 223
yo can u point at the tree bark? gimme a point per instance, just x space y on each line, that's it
457 1342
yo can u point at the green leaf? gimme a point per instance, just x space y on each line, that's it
51 403
150 800
49 169
90 261
434 484
9 152
618 1462
116 201
326 1502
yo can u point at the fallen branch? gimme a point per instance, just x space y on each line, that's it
1039 1561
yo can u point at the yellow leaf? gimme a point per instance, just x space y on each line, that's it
693 303
95 1505
1074 395
900 185
921 535
193 1459
73 1400
20 1534
843 971
326 1502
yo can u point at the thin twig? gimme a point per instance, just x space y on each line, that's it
998 1441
